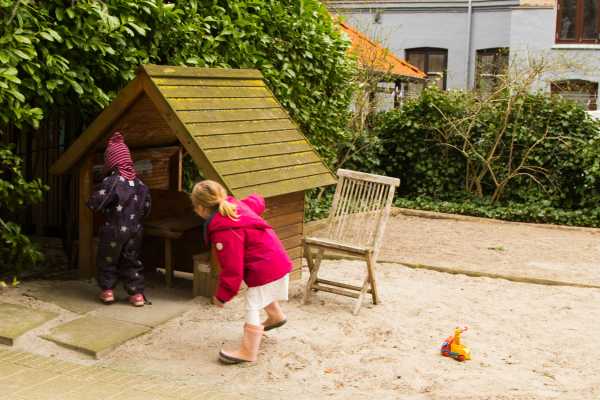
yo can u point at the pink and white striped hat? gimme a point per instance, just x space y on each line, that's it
117 156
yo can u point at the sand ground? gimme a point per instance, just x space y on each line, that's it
528 341
484 245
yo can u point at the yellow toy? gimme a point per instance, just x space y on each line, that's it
452 347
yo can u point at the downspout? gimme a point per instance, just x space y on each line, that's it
469 18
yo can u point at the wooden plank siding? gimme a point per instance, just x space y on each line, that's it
213 92
209 82
97 129
245 134
246 179
228 120
231 115
190 72
223 128
246 139
231 103
270 162
285 214
259 150
285 186
143 126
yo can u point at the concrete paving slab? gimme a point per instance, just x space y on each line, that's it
13 383
17 320
95 335
96 392
47 381
76 296
166 305
53 389
8 369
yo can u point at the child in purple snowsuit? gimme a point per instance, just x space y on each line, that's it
124 200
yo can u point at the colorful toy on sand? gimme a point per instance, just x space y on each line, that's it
452 347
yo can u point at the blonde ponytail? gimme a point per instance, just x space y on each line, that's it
228 209
211 195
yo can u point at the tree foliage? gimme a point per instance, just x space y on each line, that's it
58 54
524 148
16 250
78 54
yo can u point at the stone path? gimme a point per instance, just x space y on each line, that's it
16 320
95 336
97 328
25 376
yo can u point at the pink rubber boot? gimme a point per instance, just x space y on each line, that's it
248 350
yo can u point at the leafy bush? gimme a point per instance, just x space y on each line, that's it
521 212
16 251
525 148
318 203
56 54
80 55
416 152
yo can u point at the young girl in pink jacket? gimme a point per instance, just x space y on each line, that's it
248 250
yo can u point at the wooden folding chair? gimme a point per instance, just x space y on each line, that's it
357 219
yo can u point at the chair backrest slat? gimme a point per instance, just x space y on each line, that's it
376 205
360 208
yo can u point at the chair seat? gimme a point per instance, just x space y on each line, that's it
335 245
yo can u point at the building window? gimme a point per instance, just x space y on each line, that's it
432 61
578 21
582 92
491 68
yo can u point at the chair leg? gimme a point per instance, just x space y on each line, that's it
363 291
371 269
313 267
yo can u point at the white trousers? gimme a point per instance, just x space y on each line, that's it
259 297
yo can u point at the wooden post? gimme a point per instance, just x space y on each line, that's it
168 262
176 171
86 220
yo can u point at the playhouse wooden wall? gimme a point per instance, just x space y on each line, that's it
286 215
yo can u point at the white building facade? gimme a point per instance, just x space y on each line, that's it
464 44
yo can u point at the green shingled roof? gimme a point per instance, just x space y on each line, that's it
229 122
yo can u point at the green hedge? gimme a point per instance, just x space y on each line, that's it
78 54
82 54
437 142
424 144
520 212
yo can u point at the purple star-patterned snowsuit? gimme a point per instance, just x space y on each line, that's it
124 204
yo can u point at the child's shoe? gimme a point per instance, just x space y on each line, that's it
107 296
137 300
248 350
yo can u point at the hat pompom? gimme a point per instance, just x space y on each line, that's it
116 137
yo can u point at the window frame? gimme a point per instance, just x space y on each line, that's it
556 89
496 52
578 24
427 51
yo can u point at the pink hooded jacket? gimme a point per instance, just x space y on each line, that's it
247 249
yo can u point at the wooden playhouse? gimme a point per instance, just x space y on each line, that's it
236 133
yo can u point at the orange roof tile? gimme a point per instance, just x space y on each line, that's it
378 57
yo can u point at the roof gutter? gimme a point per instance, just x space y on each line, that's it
468 46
